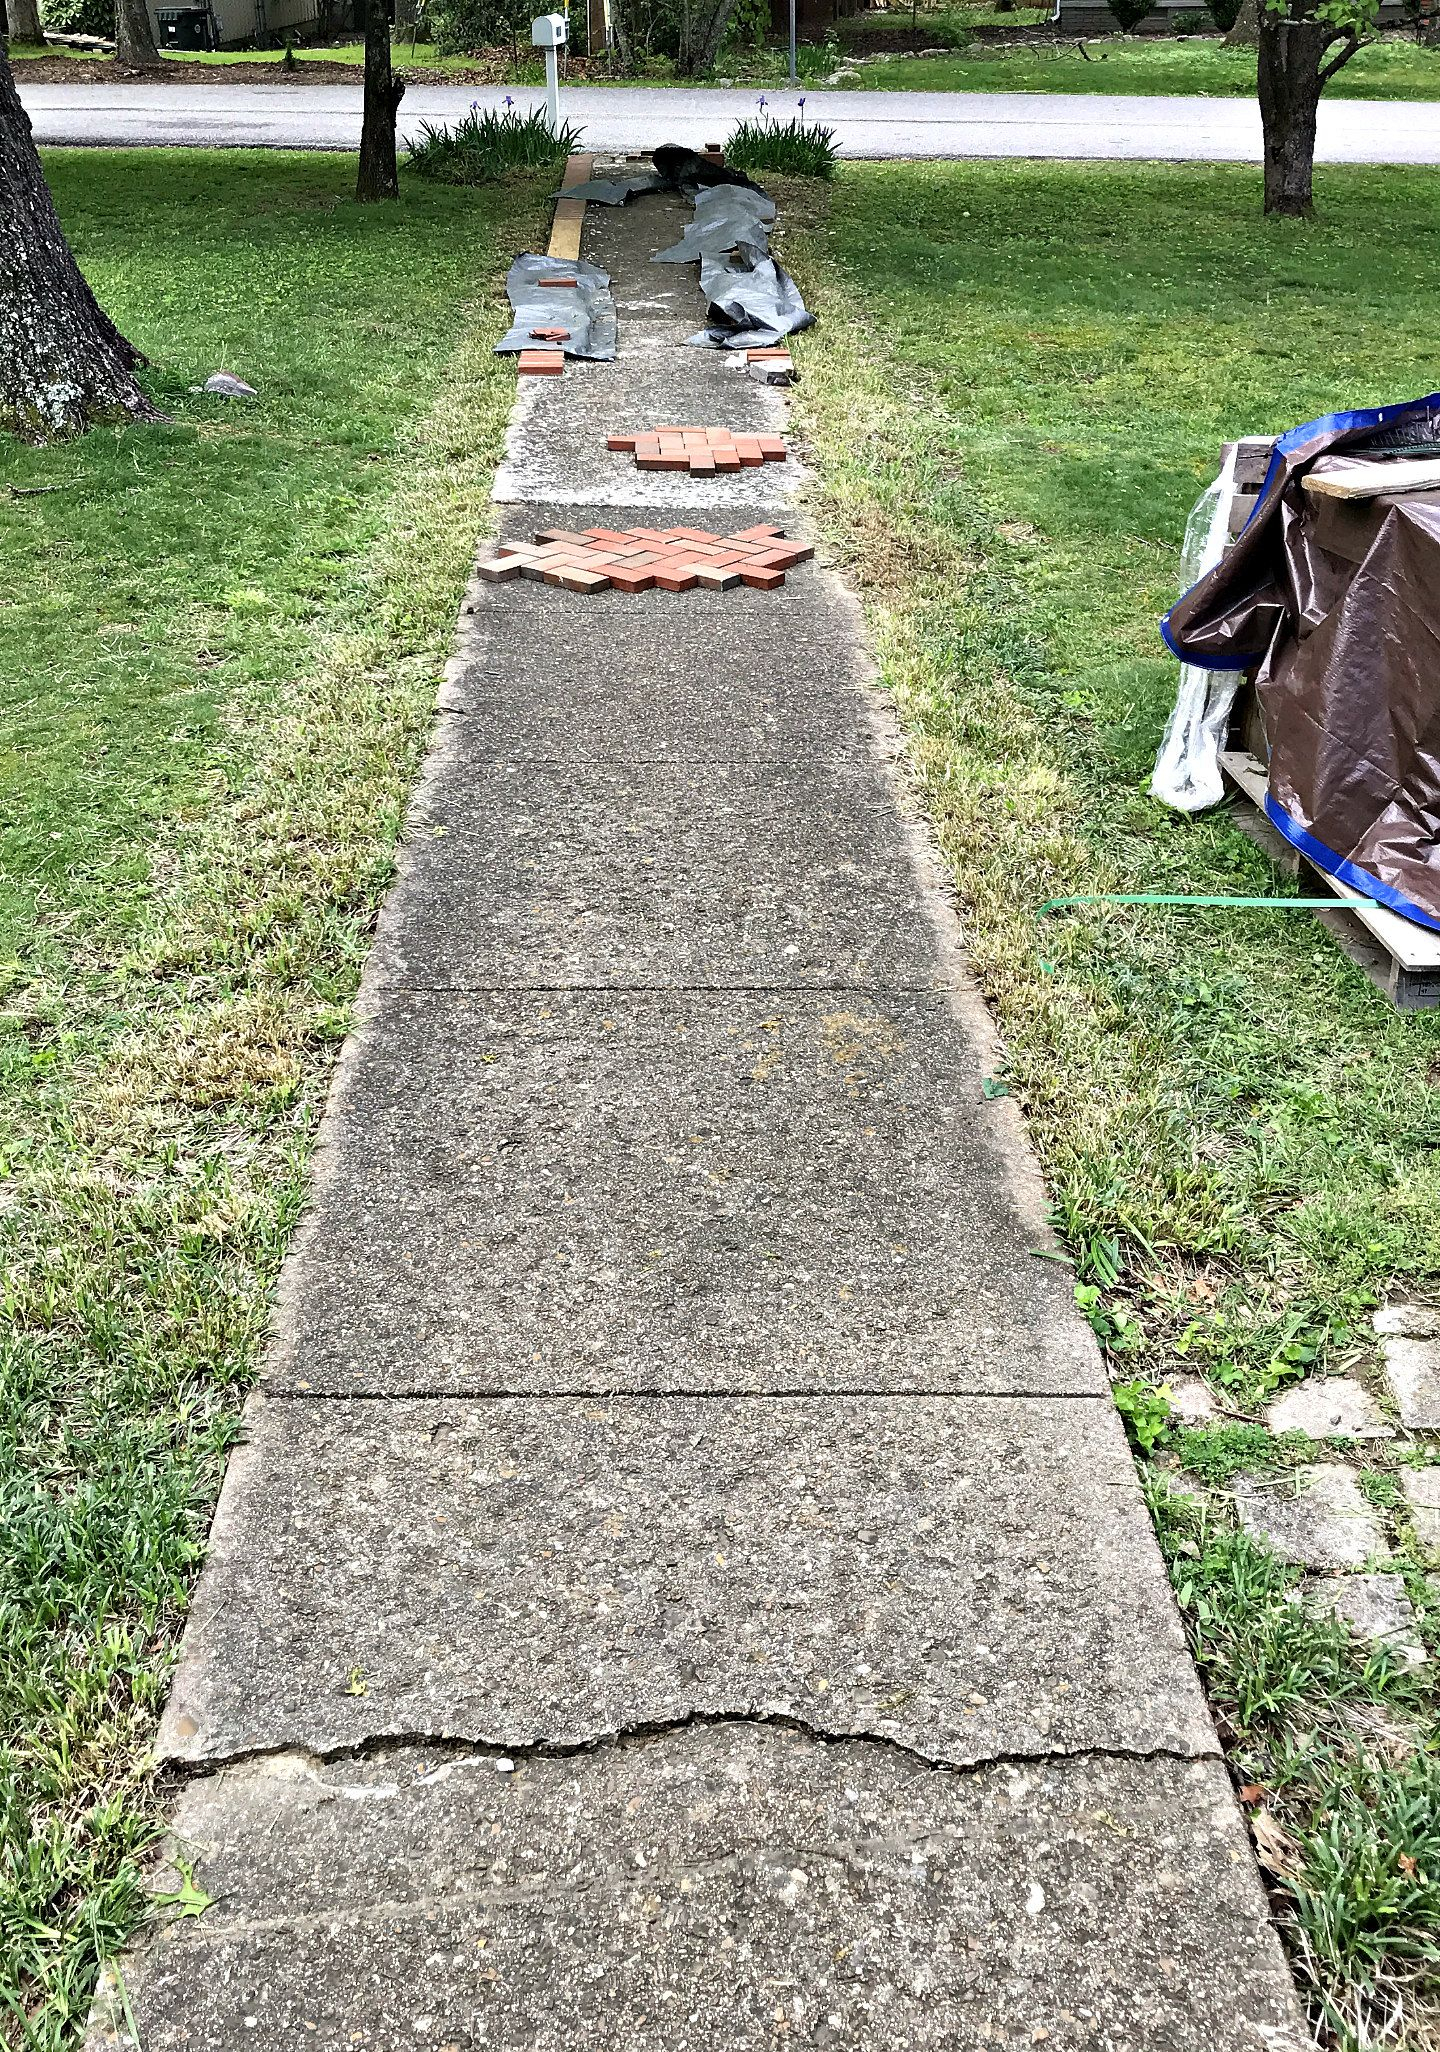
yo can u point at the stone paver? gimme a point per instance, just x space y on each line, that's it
725 1886
1422 1495
1410 1351
684 1586
1374 1607
1328 1407
970 1578
1192 1401
1314 1515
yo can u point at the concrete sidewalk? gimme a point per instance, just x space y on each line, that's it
684 1584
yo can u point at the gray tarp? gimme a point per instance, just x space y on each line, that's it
751 301
585 308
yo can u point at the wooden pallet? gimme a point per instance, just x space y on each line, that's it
1403 959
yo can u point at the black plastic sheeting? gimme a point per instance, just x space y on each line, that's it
585 308
751 301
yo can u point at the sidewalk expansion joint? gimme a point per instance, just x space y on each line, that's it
460 1748
617 1393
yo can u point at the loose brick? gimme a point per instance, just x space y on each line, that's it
559 284
762 580
627 578
716 577
726 459
499 570
677 577
542 363
623 444
772 448
702 466
761 532
584 580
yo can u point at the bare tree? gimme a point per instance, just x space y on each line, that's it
378 178
63 363
1303 43
135 45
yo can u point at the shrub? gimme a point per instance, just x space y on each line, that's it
459 26
1224 13
1130 13
1190 21
484 147
79 17
783 146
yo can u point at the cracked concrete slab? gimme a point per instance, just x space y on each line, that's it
970 1578
688 1185
713 1887
674 1190
555 450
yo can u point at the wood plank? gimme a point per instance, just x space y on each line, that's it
569 223
1357 477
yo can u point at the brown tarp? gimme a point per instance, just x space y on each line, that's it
1335 607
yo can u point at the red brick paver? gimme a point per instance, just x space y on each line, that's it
703 451
646 558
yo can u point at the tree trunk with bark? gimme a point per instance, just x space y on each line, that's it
704 29
22 21
1293 72
135 45
379 179
63 363
1244 31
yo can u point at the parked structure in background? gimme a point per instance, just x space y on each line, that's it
219 24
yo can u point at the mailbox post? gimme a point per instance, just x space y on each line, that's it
549 33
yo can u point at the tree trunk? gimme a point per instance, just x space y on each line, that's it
23 21
135 47
378 179
704 32
622 37
1289 79
63 363
1244 33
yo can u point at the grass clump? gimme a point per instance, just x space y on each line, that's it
219 649
1328 1738
796 147
487 146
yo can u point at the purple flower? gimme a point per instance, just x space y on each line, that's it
802 103
762 103
508 101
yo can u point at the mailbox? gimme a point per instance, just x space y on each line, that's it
548 31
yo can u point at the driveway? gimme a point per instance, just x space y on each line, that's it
635 117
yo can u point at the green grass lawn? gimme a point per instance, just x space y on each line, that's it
1392 69
1021 380
219 644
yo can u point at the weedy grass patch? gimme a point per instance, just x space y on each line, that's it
485 146
1022 378
220 639
794 147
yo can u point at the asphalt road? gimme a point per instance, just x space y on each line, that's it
636 117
